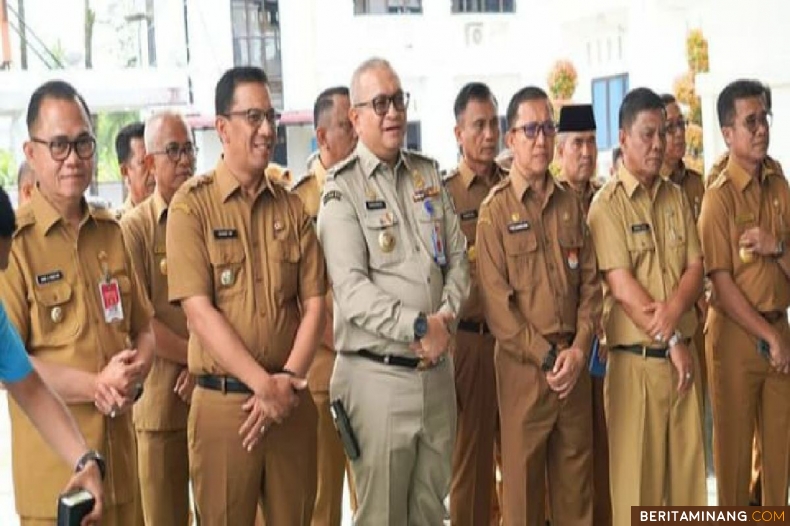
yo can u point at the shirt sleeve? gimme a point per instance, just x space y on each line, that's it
456 274
187 253
588 314
14 362
358 299
714 232
312 267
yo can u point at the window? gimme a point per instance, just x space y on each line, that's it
414 136
484 6
607 94
384 7
256 35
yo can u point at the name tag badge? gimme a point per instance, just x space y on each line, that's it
744 219
641 227
226 233
43 279
375 205
518 226
110 294
469 215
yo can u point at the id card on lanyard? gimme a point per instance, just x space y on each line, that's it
437 239
109 293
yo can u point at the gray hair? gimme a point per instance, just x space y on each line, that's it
154 123
368 65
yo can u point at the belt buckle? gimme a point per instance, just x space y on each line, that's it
481 328
223 384
644 351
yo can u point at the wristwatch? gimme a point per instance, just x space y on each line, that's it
780 249
94 456
675 339
549 360
420 326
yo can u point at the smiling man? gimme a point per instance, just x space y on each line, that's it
396 257
245 264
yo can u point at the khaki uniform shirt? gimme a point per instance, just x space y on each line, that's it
692 184
652 235
721 163
537 270
468 191
144 227
279 174
255 260
585 196
51 293
379 226
125 207
734 203
309 191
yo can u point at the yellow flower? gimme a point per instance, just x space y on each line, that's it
562 80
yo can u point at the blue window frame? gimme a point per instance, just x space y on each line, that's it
607 94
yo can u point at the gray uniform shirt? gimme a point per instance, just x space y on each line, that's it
384 232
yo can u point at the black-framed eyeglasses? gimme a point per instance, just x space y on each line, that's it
752 122
256 116
532 129
381 103
673 126
60 147
174 151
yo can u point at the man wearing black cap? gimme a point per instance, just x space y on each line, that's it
577 153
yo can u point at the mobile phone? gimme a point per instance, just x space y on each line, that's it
764 349
343 426
597 367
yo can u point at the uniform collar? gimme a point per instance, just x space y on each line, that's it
47 216
631 183
319 171
369 162
677 175
158 202
468 177
516 173
741 177
228 184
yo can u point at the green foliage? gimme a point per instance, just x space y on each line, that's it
107 126
8 169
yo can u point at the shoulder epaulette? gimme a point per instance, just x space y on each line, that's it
24 218
497 188
342 166
305 177
720 180
199 181
102 213
450 174
608 188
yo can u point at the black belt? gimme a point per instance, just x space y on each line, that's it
774 316
473 326
641 350
398 361
226 384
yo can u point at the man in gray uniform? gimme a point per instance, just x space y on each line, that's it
396 257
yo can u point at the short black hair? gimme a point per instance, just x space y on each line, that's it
7 216
668 98
472 91
25 172
123 141
53 89
617 154
326 101
736 90
524 95
635 102
768 97
226 86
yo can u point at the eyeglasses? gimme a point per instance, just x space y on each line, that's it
60 147
673 126
256 116
753 121
381 103
174 151
532 129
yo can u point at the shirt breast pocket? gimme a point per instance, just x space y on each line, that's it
56 315
521 250
640 247
385 246
229 273
284 267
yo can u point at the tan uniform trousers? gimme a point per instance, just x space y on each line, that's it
121 515
163 465
655 436
404 421
541 435
229 481
744 391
